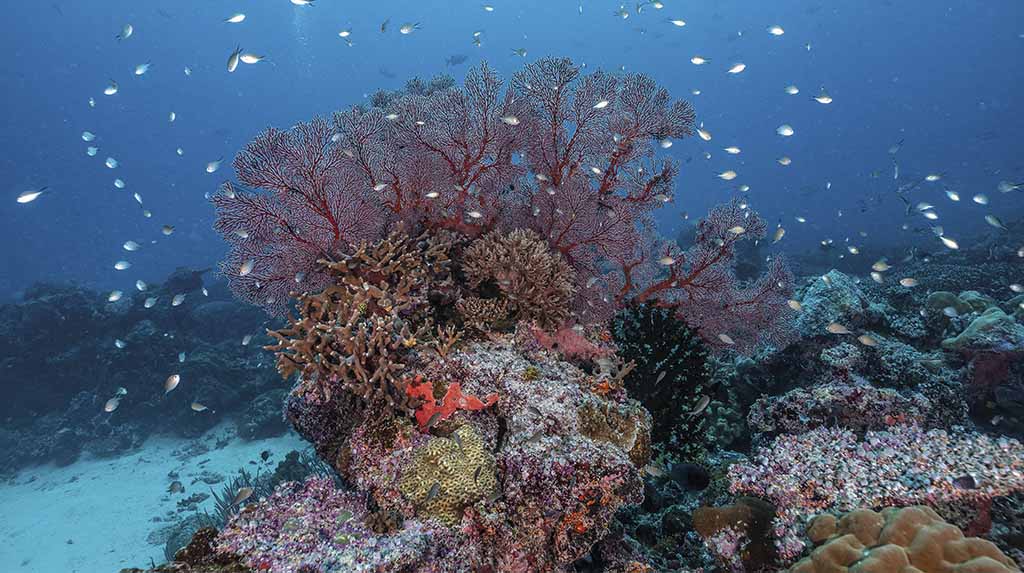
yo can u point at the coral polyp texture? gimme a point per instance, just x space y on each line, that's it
830 469
897 540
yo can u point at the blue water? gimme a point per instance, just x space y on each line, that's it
940 75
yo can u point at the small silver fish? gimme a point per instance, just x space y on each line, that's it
434 491
242 495
171 383
836 328
434 419
867 340
995 222
30 196
233 59
702 404
197 407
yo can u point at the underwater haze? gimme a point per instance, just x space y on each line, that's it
511 285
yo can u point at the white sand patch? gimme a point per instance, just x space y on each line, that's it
106 507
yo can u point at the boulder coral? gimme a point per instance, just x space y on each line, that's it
897 540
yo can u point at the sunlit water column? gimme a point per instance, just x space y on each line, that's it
303 55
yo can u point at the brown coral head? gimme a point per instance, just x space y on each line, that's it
521 268
751 518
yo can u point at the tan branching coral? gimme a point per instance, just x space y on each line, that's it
357 330
536 281
898 540
448 474
483 313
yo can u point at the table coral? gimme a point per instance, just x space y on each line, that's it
831 469
897 540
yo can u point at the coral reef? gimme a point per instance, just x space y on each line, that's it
855 406
831 469
315 525
895 540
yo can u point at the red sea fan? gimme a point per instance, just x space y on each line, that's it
443 160
571 157
590 148
701 283
311 211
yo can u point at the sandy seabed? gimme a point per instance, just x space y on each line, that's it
94 515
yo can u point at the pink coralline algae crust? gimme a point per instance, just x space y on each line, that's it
855 406
316 527
829 469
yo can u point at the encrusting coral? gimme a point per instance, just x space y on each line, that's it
897 540
738 535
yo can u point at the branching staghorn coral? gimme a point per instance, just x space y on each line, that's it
536 281
357 329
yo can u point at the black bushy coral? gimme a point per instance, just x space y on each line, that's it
658 342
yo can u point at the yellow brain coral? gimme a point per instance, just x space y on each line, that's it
898 540
448 474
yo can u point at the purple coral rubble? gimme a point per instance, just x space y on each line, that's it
831 469
314 524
